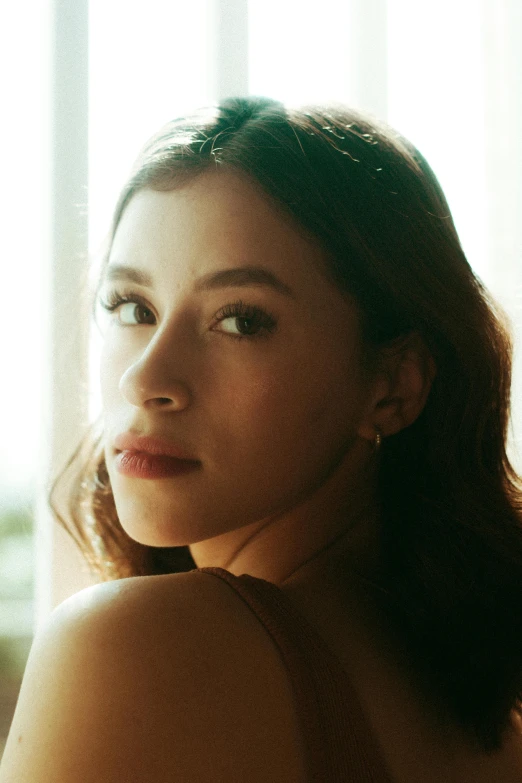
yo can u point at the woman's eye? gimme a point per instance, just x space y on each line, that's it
132 313
127 308
239 326
246 321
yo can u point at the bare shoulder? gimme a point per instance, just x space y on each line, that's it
167 678
173 613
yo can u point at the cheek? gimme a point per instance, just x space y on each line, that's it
287 405
111 368
106 375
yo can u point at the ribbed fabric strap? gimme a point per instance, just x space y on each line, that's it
340 743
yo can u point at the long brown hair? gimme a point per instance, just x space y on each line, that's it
450 582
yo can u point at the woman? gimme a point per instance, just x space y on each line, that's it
305 399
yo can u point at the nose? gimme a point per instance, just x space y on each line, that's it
153 379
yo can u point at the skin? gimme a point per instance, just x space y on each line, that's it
282 423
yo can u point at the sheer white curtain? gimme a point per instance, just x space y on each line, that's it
446 74
502 69
64 354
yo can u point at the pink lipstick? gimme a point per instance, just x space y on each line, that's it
140 464
149 457
151 445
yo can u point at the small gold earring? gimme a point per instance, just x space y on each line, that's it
378 440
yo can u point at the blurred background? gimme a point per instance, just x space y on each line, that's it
85 82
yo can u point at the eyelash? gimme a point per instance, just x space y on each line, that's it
261 319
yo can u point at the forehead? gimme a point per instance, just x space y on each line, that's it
214 215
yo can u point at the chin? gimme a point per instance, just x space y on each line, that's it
151 536
156 533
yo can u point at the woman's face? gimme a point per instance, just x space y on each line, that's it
269 415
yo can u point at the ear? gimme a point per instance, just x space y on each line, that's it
400 388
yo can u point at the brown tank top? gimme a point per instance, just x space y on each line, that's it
340 744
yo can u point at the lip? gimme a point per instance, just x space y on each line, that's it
148 445
140 464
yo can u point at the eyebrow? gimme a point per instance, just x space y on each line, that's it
224 278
